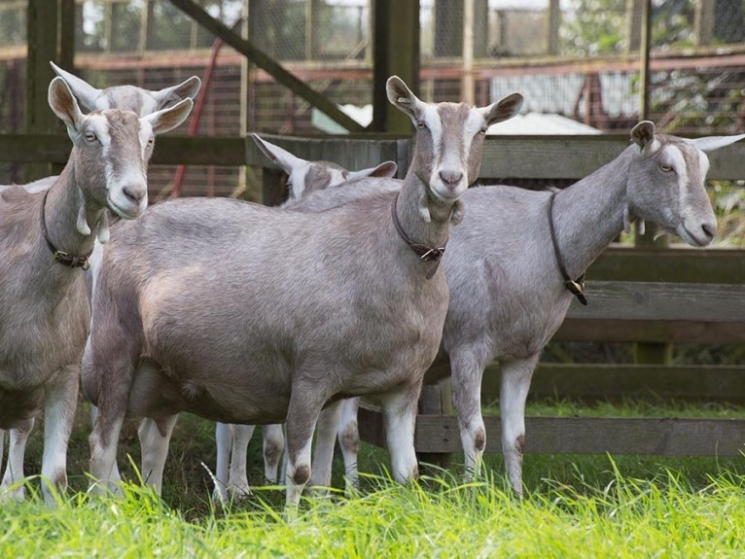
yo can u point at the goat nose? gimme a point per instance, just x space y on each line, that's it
134 193
451 178
709 229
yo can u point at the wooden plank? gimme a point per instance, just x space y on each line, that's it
169 150
661 301
351 152
674 265
595 435
681 331
607 381
268 64
586 435
574 157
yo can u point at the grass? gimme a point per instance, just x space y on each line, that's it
575 506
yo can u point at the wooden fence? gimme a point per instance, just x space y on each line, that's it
636 295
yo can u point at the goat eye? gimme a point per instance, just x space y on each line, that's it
666 168
90 136
421 125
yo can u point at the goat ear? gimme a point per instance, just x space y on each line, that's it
65 106
385 170
185 90
711 143
504 109
83 91
168 119
643 133
281 157
402 98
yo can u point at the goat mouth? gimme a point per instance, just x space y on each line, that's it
448 196
124 214
692 239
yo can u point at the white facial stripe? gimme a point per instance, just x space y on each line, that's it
99 125
678 161
433 122
473 124
146 132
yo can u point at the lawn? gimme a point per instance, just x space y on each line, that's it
575 506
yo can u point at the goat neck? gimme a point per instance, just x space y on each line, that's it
590 214
430 228
65 210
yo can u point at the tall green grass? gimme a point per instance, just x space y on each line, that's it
627 518
575 506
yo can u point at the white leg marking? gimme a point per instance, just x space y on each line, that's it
14 468
154 447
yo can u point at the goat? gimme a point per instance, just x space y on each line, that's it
504 270
222 308
125 97
45 242
232 441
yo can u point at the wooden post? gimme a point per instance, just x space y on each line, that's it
480 28
648 352
144 28
396 52
635 10
467 89
42 32
312 9
436 400
67 35
703 23
554 22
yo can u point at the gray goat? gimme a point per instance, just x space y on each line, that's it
508 292
125 97
304 177
246 314
45 241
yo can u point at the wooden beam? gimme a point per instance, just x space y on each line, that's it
575 157
680 331
268 64
505 157
595 435
593 381
674 265
585 435
661 301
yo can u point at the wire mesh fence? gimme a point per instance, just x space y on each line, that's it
576 62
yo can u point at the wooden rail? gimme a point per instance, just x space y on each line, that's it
580 435
505 157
